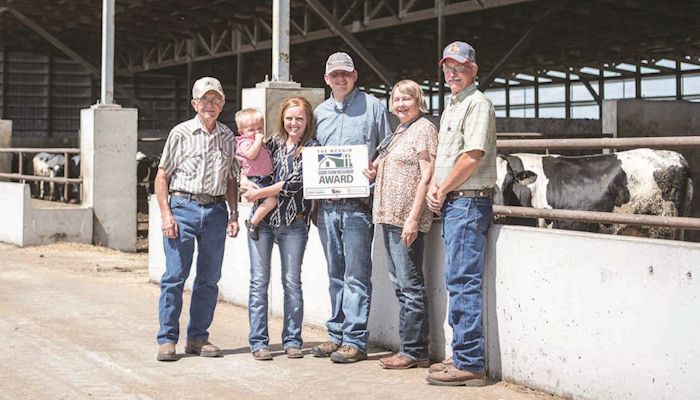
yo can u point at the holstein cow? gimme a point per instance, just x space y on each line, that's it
52 166
642 181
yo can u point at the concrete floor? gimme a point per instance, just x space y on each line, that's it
79 322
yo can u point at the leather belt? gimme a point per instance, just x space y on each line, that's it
199 198
458 194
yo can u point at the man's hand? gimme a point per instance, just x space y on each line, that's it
434 199
232 226
169 226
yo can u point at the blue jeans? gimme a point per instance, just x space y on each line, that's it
465 223
346 232
292 243
406 272
205 224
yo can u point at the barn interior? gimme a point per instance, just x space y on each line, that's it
50 53
549 66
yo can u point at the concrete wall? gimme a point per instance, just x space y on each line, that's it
5 141
28 222
592 316
648 118
574 314
267 97
551 127
108 167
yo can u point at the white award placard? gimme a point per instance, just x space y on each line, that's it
334 172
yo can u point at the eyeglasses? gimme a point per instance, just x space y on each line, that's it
215 101
460 69
338 74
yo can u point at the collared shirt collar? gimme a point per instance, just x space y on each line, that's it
349 99
199 126
463 94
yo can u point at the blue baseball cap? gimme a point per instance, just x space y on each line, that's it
458 51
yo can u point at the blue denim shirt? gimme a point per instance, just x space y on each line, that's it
290 199
361 119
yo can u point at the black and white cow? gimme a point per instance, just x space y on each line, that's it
146 169
53 166
642 181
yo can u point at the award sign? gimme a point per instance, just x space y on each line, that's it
335 172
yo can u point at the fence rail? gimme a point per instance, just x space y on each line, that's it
600 143
32 150
599 217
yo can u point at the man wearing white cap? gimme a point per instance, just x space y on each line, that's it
460 192
348 117
196 177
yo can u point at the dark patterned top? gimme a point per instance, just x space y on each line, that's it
290 199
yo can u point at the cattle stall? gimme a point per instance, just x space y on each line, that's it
520 193
65 171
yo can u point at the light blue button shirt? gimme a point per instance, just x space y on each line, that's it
360 119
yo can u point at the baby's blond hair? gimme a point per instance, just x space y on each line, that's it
248 116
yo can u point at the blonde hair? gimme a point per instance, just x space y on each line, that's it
248 116
412 89
282 135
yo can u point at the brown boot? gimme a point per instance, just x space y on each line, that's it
202 348
347 355
166 352
451 376
441 365
400 361
324 349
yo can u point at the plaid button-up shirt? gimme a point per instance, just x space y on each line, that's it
468 123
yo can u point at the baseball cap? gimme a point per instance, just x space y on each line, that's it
458 51
339 61
206 84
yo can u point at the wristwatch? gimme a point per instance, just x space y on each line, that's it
234 214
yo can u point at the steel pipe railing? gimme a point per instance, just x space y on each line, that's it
599 217
600 143
54 150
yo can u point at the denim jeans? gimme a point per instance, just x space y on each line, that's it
205 224
346 232
406 272
465 223
292 243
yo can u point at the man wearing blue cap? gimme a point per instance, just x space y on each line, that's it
460 192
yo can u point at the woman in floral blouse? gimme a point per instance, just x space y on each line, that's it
288 225
402 169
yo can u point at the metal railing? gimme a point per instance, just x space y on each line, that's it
595 216
21 176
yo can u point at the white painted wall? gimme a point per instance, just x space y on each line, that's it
592 316
27 222
574 314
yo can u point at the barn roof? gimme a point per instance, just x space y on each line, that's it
515 39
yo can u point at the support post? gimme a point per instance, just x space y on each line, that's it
440 46
280 40
638 82
537 96
679 81
107 71
601 92
567 96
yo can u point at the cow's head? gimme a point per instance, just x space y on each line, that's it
512 182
